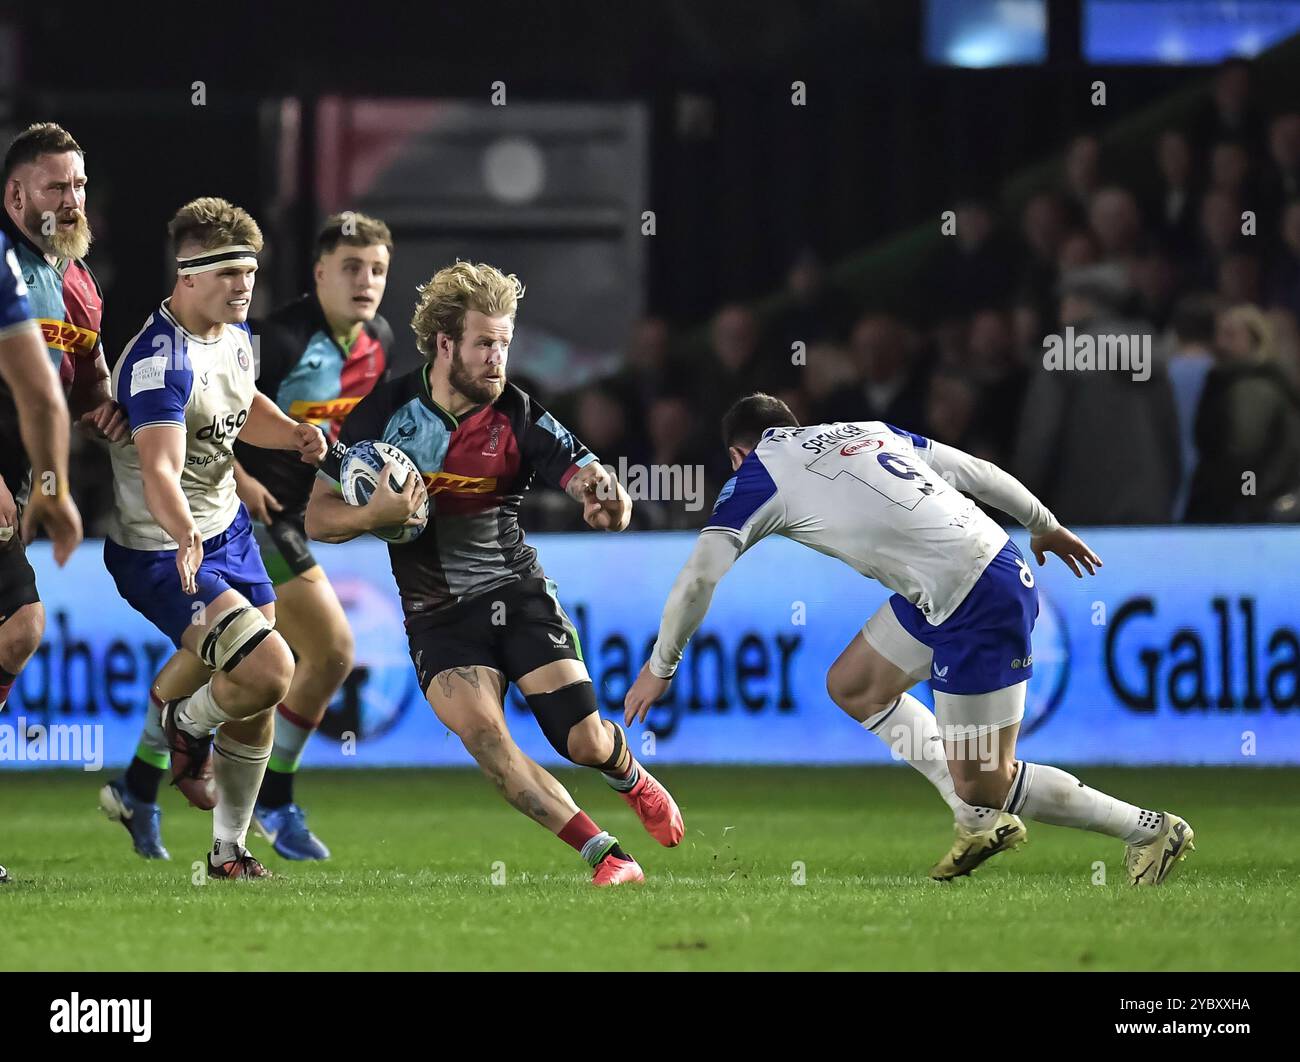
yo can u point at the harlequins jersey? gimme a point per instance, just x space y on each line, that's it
304 370
68 306
476 468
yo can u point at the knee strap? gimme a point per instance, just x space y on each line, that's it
620 743
558 712
233 635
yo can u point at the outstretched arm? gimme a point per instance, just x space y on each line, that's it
991 485
687 605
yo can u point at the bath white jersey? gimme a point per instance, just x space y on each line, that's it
865 493
205 388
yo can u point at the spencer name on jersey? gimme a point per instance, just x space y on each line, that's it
202 386
864 493
476 468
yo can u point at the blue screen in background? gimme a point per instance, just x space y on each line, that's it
1184 31
1185 649
981 33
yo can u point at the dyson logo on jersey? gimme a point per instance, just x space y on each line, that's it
223 427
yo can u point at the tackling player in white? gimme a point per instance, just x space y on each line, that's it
889 504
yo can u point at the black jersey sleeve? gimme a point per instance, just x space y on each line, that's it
384 333
550 449
274 355
366 421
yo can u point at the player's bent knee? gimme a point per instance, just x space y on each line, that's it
560 711
591 744
267 671
858 703
20 636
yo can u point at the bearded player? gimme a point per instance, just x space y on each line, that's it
317 357
480 612
889 504
47 236
181 549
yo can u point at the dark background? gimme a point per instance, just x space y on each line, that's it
884 140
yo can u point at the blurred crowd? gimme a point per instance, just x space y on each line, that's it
1196 246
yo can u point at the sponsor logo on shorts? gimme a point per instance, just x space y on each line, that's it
1019 663
941 673
562 639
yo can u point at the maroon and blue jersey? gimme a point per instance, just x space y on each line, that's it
476 468
67 306
65 300
303 369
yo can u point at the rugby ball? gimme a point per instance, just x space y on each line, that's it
362 465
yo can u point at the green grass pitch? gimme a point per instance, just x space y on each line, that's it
410 885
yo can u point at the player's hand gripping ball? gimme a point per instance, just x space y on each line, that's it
362 467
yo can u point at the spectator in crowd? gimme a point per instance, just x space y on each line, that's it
1155 277
890 386
1283 287
1097 445
736 367
975 266
1079 249
1220 235
1247 427
1114 219
648 370
1281 181
1230 172
1191 358
1239 278
1174 211
1044 225
815 312
950 407
997 368
1285 328
1082 173
674 434
1230 113
828 373
604 425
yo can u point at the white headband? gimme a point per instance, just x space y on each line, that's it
218 257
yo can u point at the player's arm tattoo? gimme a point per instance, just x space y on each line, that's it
469 674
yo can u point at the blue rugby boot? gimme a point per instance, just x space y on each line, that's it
286 828
143 821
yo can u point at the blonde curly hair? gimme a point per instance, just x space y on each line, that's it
452 292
